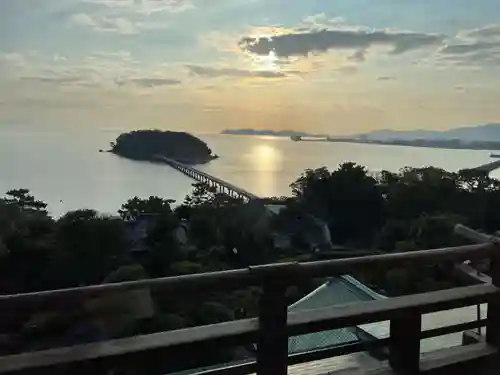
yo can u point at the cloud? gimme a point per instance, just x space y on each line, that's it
348 69
469 48
358 56
232 72
149 82
61 80
485 32
104 23
13 58
386 78
99 69
321 41
146 6
320 20
477 47
118 24
52 79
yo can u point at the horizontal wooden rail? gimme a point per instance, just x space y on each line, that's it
259 275
446 330
379 310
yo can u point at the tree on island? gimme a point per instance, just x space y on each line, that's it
149 144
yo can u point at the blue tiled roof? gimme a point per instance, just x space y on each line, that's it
337 291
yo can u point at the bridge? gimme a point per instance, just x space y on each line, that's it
275 324
220 185
489 167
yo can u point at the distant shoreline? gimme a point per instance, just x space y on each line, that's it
452 144
484 137
447 145
267 132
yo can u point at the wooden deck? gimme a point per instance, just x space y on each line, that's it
441 362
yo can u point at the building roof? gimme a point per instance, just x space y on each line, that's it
337 291
347 289
275 208
137 231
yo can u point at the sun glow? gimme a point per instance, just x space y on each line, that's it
268 62
266 157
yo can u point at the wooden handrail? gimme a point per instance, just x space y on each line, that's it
258 275
379 310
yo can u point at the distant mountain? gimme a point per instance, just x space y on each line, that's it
281 133
488 132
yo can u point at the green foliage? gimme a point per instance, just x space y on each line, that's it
382 211
212 312
146 144
24 200
348 198
129 272
186 268
136 207
89 247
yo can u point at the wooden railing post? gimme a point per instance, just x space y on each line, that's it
493 325
272 344
404 346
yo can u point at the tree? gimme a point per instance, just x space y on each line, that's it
416 191
28 246
434 231
202 194
474 180
88 247
349 199
24 200
136 207
212 312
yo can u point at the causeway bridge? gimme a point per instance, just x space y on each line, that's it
220 185
489 167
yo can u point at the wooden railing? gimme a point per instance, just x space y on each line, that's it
271 329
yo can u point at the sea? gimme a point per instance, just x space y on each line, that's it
65 168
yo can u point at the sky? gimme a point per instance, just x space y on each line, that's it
328 66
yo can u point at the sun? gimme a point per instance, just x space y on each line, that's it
267 62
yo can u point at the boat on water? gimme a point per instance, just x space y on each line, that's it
497 156
296 138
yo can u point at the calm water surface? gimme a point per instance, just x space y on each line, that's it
66 170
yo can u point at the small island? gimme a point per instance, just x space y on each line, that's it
147 145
